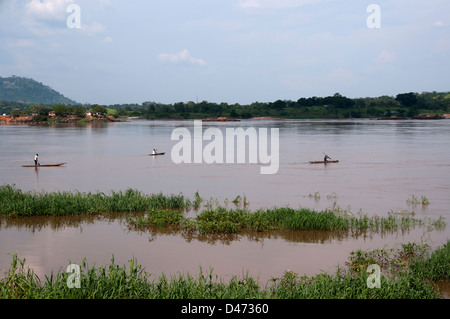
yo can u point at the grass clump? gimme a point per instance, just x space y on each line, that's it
160 219
414 201
305 219
232 221
14 202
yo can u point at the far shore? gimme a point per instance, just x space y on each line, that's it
29 120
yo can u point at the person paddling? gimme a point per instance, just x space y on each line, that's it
36 160
326 158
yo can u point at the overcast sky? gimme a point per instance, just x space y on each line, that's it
234 51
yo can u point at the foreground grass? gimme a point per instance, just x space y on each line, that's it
415 279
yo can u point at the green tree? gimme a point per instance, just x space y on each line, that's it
16 113
179 107
278 105
407 99
60 110
78 110
99 109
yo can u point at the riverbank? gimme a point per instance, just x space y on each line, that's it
412 272
30 120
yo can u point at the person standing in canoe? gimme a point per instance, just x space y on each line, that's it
326 158
36 160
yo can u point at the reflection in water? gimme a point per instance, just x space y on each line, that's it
36 175
304 236
59 223
52 242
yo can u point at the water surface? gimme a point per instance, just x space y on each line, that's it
381 165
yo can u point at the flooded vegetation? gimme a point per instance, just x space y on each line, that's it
15 202
170 211
158 214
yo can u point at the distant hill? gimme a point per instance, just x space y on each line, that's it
24 90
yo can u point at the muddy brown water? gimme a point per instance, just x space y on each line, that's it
54 242
382 164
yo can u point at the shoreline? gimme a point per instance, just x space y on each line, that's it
28 120
347 282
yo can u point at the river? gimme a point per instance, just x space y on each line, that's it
381 165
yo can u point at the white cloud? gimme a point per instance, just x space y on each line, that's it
384 62
48 9
385 57
181 57
45 18
275 3
49 17
249 4
440 24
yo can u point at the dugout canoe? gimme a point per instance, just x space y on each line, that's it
44 165
323 162
157 154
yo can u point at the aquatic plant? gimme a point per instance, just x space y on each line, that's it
237 200
197 201
168 210
414 200
230 221
159 218
332 196
14 202
425 201
316 195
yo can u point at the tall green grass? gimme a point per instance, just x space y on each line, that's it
232 221
162 211
415 280
14 202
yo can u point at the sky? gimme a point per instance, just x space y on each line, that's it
233 51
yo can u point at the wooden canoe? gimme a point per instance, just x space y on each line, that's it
44 165
323 162
157 154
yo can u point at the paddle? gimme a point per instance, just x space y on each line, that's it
326 155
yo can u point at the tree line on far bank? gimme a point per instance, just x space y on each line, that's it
335 106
